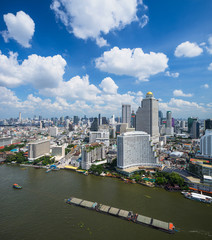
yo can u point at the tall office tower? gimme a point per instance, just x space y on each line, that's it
126 114
100 120
160 116
53 131
133 116
147 117
134 149
104 120
194 132
208 124
42 124
19 119
70 127
38 149
182 124
67 123
76 120
40 118
169 128
168 119
95 125
206 143
190 122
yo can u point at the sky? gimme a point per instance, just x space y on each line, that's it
85 57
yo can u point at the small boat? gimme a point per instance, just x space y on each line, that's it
49 170
198 197
15 185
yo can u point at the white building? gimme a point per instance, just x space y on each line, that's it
206 143
135 149
147 117
100 137
38 149
53 131
58 151
93 154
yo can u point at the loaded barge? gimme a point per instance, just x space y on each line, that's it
127 215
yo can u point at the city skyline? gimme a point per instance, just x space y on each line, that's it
55 59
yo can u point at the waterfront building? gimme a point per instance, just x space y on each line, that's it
126 114
134 150
206 143
58 151
147 117
93 154
100 137
38 149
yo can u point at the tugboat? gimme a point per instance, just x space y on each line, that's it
15 185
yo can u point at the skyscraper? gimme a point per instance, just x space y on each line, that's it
19 117
126 114
95 125
206 143
147 117
208 124
100 120
133 116
168 119
194 132
190 122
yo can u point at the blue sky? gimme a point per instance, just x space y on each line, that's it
76 57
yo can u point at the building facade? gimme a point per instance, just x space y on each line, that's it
100 137
135 149
126 114
147 117
38 149
206 143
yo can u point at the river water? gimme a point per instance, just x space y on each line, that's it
38 211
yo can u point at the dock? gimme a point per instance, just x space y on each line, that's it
124 214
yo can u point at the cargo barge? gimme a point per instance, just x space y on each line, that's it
127 215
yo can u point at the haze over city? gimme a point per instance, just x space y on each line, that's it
61 58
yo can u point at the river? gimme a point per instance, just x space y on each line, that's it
38 211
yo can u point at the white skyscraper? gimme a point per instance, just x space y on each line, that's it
19 117
147 117
169 128
135 149
206 143
126 114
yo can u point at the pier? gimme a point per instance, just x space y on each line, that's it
124 214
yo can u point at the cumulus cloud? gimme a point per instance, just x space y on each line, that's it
132 62
92 18
41 72
210 67
174 75
20 27
108 85
180 93
188 49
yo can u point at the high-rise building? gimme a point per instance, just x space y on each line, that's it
133 116
19 119
38 149
95 125
194 132
104 120
208 124
169 128
134 150
160 116
147 117
76 120
53 131
126 114
206 143
190 122
100 120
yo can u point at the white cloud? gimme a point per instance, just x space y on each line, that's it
205 86
20 27
108 85
209 47
132 62
180 93
39 71
174 75
90 19
210 67
101 42
188 49
144 20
